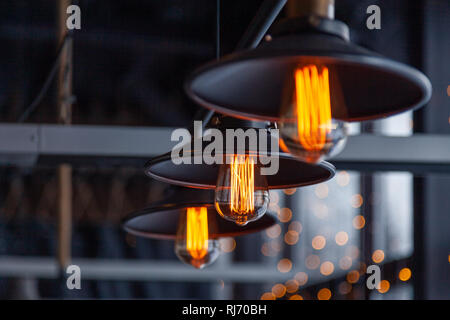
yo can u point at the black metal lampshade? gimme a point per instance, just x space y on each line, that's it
160 221
292 173
364 85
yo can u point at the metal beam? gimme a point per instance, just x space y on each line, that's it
71 143
140 270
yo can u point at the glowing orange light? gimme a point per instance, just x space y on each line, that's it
313 106
289 192
302 278
291 237
378 256
285 215
242 185
312 262
296 297
327 268
341 238
279 290
285 265
353 276
197 232
268 296
357 201
384 286
405 274
319 242
359 222
291 286
324 294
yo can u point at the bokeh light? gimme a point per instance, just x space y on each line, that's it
341 238
285 215
291 237
285 265
274 197
274 232
321 191
359 222
279 290
345 263
378 256
324 294
319 242
353 277
289 192
327 268
296 297
291 286
268 296
301 278
345 288
312 262
357 201
343 179
384 286
227 245
405 274
295 226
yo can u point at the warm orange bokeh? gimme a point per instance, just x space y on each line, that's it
313 106
242 185
197 232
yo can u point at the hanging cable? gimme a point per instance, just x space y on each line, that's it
48 81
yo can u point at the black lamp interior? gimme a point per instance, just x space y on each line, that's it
161 221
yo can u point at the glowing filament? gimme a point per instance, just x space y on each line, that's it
197 232
313 106
242 185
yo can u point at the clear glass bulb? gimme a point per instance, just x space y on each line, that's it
307 128
242 193
193 245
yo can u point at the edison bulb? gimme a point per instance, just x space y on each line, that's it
307 128
242 193
193 244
